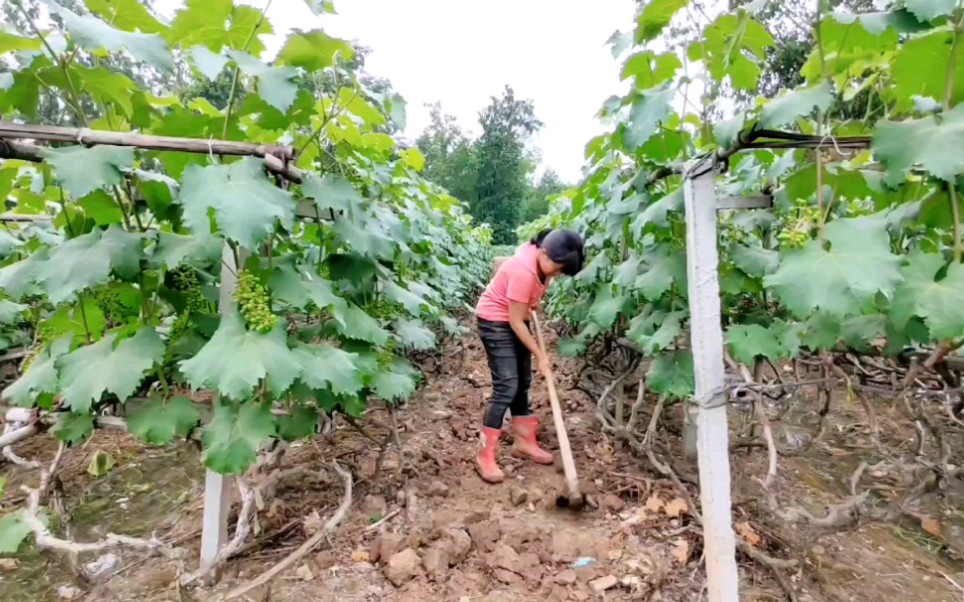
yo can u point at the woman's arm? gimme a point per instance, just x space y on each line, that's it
518 312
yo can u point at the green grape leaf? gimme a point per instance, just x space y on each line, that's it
746 342
332 191
940 303
414 335
858 266
324 366
671 374
274 83
101 208
928 10
40 377
128 15
909 80
858 332
396 381
821 331
297 290
246 204
11 313
14 43
171 250
606 306
314 50
219 23
654 16
234 435
72 428
797 103
91 33
159 421
208 63
664 268
570 347
298 424
649 69
354 323
755 261
727 132
647 112
643 330
82 170
87 261
937 147
235 360
13 531
412 302
364 239
90 371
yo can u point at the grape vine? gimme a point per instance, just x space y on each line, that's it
116 257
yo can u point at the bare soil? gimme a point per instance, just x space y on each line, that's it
452 537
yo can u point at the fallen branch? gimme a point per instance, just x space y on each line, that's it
302 550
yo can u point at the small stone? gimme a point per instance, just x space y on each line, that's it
438 489
326 559
612 503
566 577
384 546
9 564
603 583
374 505
304 573
460 544
505 557
518 496
402 567
69 592
436 560
507 577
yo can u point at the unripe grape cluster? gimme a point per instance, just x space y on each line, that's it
184 278
253 300
797 230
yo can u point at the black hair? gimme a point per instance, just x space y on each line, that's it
562 246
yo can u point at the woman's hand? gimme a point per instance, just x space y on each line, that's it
544 365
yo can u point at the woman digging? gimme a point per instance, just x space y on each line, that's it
503 316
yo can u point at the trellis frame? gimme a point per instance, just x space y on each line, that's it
701 204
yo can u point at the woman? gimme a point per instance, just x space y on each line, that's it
503 315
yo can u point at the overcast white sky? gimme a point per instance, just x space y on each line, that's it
461 52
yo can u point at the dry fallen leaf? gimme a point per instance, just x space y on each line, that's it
360 556
745 530
654 504
681 551
312 523
931 526
676 507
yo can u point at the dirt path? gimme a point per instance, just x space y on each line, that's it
452 537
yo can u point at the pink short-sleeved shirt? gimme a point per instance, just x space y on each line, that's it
516 280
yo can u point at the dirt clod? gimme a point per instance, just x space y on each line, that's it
505 557
485 534
384 546
438 489
566 577
518 496
325 560
435 560
604 583
460 544
402 567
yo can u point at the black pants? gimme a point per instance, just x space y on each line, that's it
510 363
